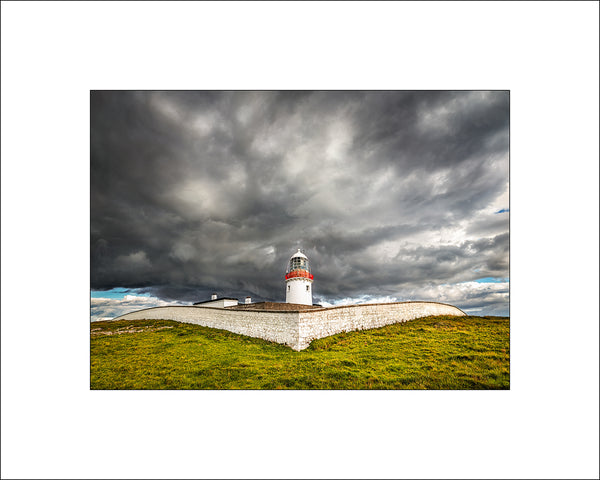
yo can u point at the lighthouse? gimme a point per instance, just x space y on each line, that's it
298 280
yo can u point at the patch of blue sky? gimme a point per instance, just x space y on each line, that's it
117 293
492 280
504 210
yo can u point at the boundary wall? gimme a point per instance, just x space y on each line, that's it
329 321
279 327
297 329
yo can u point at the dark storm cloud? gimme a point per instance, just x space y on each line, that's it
194 192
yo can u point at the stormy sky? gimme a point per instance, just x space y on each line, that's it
393 196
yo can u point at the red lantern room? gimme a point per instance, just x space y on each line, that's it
298 266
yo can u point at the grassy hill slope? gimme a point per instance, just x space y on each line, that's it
429 353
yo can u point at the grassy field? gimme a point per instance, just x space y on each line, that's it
429 353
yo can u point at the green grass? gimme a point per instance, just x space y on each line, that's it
429 353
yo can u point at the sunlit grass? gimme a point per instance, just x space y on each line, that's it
430 353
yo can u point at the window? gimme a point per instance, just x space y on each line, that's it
307 288
297 263
288 288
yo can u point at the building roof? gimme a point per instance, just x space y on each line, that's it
276 306
216 300
299 254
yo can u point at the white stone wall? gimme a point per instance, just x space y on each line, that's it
297 329
279 327
323 323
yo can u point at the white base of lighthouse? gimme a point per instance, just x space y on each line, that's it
298 290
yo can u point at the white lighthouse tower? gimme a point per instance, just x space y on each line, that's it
298 280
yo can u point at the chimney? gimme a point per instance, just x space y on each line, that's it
248 300
213 296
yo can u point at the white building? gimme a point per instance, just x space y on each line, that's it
219 302
298 280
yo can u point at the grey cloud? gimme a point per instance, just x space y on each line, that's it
194 192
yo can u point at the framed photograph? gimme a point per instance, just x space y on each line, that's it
300 239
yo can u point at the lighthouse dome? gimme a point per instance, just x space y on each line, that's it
299 254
